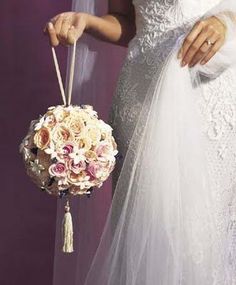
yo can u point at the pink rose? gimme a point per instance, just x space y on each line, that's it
94 169
64 151
102 149
57 169
77 168
67 149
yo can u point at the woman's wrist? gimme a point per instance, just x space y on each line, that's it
85 18
228 19
109 27
221 18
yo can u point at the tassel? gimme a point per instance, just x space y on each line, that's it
67 230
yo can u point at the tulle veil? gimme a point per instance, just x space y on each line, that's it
160 227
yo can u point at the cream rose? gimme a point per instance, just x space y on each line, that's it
74 123
94 134
82 115
60 114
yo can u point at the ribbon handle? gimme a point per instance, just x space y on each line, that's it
71 75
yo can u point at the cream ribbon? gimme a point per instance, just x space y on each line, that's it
71 75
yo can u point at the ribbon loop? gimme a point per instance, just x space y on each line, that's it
71 75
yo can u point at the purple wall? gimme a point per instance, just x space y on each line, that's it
29 86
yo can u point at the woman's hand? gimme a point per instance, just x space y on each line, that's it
66 28
203 42
118 26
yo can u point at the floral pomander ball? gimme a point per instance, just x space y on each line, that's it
69 150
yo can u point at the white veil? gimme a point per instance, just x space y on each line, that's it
159 229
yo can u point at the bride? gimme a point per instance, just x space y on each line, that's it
173 214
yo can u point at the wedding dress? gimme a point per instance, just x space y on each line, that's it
173 215
158 26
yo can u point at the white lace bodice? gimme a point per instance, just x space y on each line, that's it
159 25
158 20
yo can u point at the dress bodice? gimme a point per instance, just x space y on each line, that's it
175 11
156 17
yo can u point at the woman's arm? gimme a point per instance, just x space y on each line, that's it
118 26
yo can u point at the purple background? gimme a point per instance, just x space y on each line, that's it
28 87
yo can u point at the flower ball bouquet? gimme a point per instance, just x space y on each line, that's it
69 151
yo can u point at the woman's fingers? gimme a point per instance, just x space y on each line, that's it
71 38
190 38
58 23
73 35
195 48
76 30
52 28
66 28
204 49
63 34
205 39
216 47
199 54
52 35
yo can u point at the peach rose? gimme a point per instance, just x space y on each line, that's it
90 155
61 134
76 178
84 142
42 138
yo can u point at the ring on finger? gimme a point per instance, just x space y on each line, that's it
209 42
